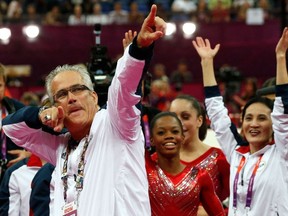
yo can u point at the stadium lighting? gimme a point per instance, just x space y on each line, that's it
31 31
188 29
170 29
5 34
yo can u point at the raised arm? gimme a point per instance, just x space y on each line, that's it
281 49
123 94
279 114
225 131
207 55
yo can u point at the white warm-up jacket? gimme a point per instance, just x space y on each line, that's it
115 181
270 189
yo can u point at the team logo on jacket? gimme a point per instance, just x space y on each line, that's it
262 166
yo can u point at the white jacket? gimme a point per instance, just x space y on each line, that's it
270 190
115 181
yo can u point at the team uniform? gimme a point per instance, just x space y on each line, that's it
258 181
15 188
41 197
215 163
180 194
115 180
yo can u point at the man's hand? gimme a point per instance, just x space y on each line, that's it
152 29
21 154
53 117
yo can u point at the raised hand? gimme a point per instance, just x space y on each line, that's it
204 49
282 45
152 29
281 49
207 55
129 36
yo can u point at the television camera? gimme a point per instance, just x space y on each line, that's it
232 78
100 67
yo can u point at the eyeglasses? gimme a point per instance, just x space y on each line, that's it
74 89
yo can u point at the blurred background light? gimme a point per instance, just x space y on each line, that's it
170 29
188 29
31 31
5 34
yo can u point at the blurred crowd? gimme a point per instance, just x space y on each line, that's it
163 86
83 12
235 88
147 142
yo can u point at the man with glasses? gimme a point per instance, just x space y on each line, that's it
100 167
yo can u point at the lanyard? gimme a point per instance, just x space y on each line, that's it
146 131
3 137
79 178
250 185
4 145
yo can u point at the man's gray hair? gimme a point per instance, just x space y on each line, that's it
64 68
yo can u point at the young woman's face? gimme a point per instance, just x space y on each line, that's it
189 117
167 136
257 125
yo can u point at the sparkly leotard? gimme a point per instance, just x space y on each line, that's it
181 194
215 163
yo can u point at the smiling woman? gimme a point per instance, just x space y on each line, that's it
257 123
258 163
174 188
